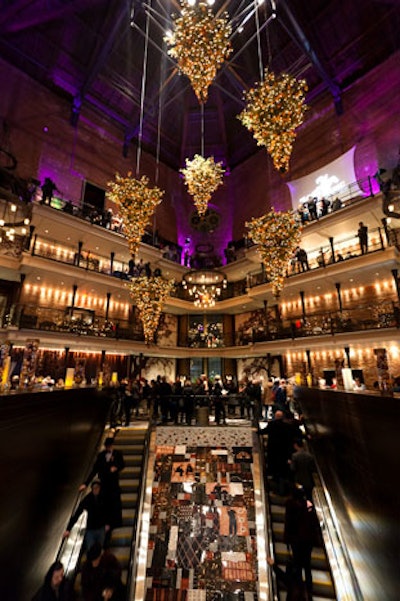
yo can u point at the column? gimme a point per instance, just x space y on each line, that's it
339 296
266 318
309 365
395 274
112 257
347 352
332 249
108 304
74 289
78 255
303 305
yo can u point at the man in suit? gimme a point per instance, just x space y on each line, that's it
107 466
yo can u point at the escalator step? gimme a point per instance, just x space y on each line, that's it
128 516
129 499
130 471
121 536
122 554
278 513
318 557
129 484
322 584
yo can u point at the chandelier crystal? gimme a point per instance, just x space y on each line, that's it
137 203
200 44
202 178
204 286
274 109
149 295
277 236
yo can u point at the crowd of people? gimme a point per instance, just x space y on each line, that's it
290 469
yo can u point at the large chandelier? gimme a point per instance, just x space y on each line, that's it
200 44
204 286
202 178
277 236
137 203
149 295
274 109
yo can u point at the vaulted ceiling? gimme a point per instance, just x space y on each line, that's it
92 53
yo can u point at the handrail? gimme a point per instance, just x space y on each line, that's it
272 580
130 588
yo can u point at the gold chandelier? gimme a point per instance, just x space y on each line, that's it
202 178
277 236
204 286
137 203
274 109
149 295
200 44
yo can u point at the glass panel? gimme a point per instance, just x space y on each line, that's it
196 368
214 367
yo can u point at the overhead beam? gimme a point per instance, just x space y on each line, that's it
300 38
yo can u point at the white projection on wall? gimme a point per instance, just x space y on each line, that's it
338 178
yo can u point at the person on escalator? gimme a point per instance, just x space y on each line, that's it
291 580
55 587
301 533
98 522
101 570
108 465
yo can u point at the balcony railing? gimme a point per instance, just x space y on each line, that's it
368 317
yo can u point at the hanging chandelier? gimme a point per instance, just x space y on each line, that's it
277 235
204 286
200 44
274 109
15 217
137 203
149 295
202 178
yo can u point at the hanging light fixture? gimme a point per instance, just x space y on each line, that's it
277 235
14 221
200 44
149 295
202 178
204 286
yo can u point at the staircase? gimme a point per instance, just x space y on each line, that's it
323 587
131 442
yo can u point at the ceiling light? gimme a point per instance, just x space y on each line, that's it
13 208
27 221
204 286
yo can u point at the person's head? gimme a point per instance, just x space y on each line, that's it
108 443
96 487
55 575
298 444
94 554
279 414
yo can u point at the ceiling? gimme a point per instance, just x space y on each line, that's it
91 52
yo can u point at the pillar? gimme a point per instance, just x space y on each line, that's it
34 245
395 274
339 295
108 304
347 352
386 230
266 318
332 249
112 257
78 256
381 238
309 364
74 289
303 305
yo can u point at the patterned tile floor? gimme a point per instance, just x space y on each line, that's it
203 535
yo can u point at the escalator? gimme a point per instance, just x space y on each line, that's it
323 587
131 442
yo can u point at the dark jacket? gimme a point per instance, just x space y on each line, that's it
102 467
97 516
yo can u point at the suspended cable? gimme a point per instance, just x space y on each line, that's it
202 129
260 63
142 95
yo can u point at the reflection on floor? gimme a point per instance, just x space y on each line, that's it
202 543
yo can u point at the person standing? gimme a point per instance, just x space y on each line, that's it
302 465
302 533
55 586
108 465
362 234
98 523
100 570
48 189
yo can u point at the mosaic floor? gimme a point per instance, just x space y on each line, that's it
202 535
